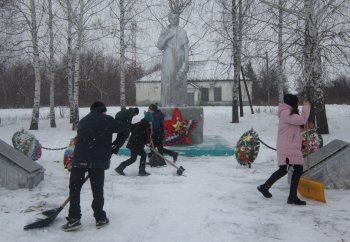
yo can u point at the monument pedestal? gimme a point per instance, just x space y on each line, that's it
199 145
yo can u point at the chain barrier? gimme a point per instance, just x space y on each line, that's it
266 144
62 148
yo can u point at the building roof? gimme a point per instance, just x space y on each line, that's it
198 71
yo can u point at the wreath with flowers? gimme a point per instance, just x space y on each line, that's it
27 144
247 148
312 143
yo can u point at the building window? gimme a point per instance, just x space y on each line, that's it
205 94
217 94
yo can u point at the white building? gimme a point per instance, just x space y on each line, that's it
209 83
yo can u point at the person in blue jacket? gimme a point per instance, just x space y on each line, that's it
158 133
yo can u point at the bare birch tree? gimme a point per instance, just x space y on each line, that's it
51 66
81 17
69 16
70 71
228 24
78 48
122 24
124 13
236 53
34 28
280 52
325 42
27 18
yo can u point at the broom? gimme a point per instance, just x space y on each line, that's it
307 187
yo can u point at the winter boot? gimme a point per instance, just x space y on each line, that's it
293 198
102 223
264 189
296 201
144 173
120 170
71 225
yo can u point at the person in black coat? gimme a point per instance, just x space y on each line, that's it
158 133
92 154
125 115
140 136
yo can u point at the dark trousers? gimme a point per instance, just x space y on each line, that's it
158 143
281 172
133 158
119 141
97 177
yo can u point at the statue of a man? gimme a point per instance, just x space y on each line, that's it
173 42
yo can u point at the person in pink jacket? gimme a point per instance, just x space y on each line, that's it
289 142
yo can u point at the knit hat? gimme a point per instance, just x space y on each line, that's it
153 107
99 107
148 117
291 100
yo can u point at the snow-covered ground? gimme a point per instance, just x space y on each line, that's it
216 201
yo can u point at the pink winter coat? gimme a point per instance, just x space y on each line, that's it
289 138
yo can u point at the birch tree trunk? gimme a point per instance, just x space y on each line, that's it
239 50
236 67
280 53
70 58
122 53
124 13
51 71
313 70
77 66
34 38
